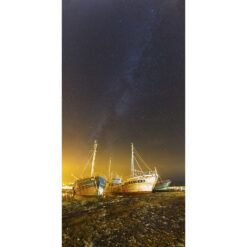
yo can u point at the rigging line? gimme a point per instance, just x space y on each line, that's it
83 163
144 162
136 152
160 178
88 156
87 163
138 164
139 156
74 176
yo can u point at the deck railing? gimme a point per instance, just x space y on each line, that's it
143 173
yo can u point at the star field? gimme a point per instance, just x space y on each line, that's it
124 81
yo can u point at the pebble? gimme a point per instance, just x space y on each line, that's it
156 219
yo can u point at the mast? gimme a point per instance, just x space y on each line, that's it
110 168
132 160
94 156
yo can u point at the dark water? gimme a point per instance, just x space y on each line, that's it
156 219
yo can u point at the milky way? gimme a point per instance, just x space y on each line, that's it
123 79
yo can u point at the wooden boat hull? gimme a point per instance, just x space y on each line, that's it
112 189
93 186
139 185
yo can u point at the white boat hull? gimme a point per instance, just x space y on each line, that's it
139 185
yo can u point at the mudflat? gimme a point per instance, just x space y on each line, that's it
156 219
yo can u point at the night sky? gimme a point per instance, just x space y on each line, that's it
123 81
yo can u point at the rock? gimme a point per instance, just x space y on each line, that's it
125 221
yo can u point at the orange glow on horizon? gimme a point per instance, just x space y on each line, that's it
73 166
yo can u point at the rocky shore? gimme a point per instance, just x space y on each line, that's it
156 219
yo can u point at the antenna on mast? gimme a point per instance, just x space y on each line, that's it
132 160
74 176
110 168
94 156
